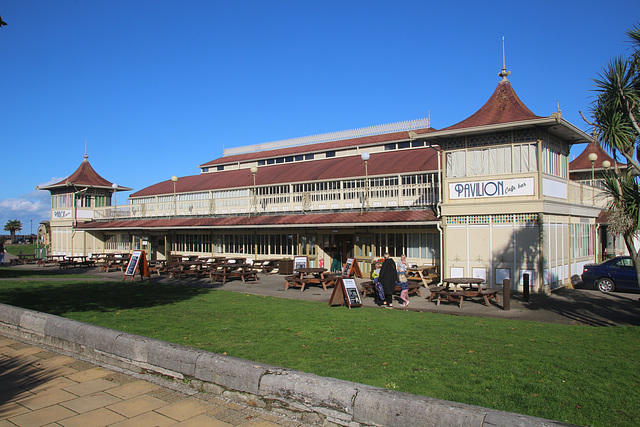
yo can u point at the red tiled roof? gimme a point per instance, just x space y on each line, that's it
582 162
503 106
321 146
603 218
332 219
84 176
399 161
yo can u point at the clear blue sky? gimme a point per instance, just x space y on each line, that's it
157 87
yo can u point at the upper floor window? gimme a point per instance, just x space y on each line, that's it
553 161
503 159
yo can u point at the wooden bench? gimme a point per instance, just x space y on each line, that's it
443 294
368 287
248 275
414 287
294 281
86 263
218 275
488 294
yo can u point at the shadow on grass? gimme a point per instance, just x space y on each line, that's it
62 297
17 273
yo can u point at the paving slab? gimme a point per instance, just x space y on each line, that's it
35 393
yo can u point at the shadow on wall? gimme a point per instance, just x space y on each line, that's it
523 248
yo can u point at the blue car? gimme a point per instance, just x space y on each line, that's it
615 274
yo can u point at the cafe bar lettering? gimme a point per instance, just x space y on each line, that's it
494 188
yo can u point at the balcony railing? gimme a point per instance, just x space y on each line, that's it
582 194
423 195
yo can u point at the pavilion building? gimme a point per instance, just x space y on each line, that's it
488 197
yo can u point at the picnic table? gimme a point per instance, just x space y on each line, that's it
470 287
310 276
423 275
50 260
113 260
266 265
76 261
187 268
24 259
228 270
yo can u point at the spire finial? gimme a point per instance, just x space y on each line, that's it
85 149
504 72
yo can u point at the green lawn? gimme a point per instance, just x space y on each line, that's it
577 374
20 249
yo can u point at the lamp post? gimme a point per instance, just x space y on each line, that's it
115 199
593 157
254 170
175 200
365 157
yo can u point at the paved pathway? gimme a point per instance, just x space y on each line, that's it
43 388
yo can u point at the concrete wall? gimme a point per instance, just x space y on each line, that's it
310 398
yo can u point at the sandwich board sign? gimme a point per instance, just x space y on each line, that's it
346 291
351 268
137 263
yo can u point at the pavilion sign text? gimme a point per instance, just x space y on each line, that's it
494 188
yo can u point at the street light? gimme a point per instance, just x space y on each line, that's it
365 157
175 201
593 157
254 170
115 199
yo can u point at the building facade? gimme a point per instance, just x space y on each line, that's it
488 197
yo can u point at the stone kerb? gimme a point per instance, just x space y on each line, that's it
295 392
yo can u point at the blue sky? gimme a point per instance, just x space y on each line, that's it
158 87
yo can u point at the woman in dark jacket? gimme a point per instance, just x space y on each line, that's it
388 278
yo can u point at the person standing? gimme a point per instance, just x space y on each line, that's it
2 251
378 291
388 278
402 278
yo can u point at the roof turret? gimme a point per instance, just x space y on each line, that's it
85 176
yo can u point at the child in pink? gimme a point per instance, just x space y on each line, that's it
402 278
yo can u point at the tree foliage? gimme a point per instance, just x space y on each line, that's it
616 111
12 226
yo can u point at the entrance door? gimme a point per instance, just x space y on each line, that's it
339 247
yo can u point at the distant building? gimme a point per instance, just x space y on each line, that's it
489 197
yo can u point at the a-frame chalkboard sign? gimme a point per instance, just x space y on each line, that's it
351 268
346 290
137 263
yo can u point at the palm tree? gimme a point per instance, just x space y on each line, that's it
616 112
12 226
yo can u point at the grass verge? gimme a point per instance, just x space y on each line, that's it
576 374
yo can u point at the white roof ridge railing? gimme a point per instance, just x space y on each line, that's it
331 136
